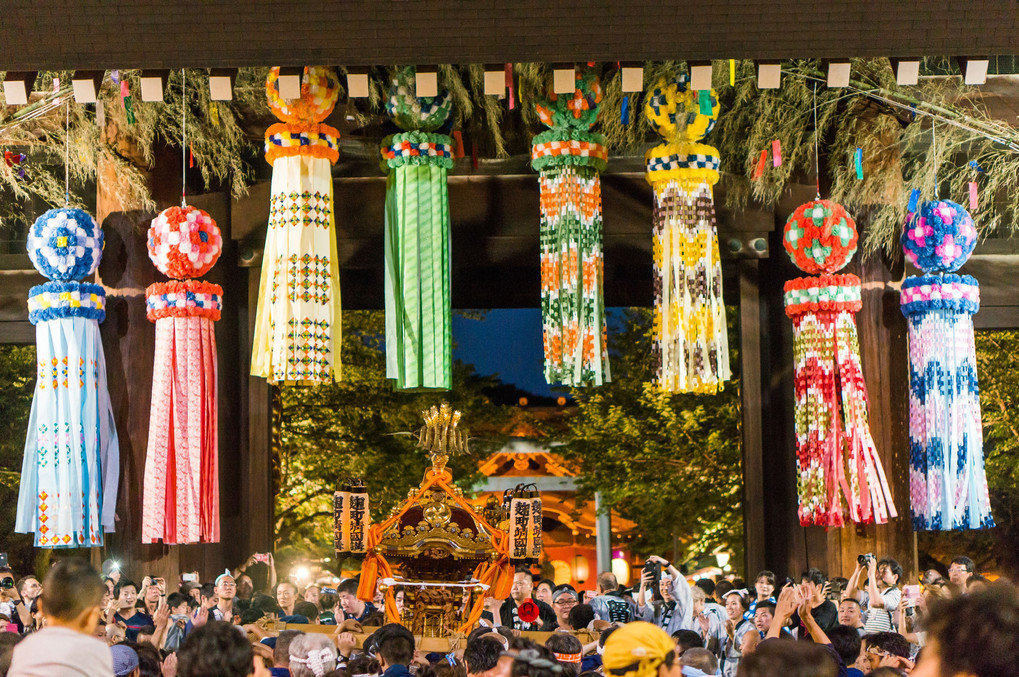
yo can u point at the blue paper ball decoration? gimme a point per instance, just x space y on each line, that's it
65 244
939 237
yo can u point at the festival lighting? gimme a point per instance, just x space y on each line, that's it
17 86
838 73
290 82
85 85
564 79
495 79
357 83
769 75
700 75
907 71
153 83
221 83
633 78
974 70
426 81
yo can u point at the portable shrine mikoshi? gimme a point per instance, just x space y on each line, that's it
445 553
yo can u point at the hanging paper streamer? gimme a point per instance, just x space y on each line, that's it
125 97
691 348
68 490
858 163
732 72
569 158
180 497
776 153
418 325
761 162
297 325
839 473
972 196
624 110
947 484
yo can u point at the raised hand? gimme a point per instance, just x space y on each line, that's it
201 616
162 615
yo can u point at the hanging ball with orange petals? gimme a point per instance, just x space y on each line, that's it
184 242
320 89
820 237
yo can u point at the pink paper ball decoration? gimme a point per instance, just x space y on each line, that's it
184 242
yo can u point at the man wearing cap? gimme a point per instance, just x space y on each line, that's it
676 610
125 661
509 612
640 649
226 590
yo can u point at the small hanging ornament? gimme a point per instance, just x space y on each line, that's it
68 489
691 348
569 158
836 461
948 486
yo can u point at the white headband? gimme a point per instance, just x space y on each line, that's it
316 660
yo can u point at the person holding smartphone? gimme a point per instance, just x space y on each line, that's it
11 602
676 610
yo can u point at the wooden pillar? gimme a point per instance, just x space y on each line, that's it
751 413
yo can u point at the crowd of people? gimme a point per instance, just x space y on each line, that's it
77 622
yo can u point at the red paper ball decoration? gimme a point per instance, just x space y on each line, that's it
820 237
184 242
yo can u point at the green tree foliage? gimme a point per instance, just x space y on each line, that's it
17 385
352 429
995 549
669 463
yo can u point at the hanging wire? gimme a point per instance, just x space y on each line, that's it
183 140
67 154
817 156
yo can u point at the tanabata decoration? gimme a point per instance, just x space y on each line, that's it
68 490
691 347
947 483
418 325
180 493
569 158
839 473
297 324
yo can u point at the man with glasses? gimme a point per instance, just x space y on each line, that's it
226 590
676 610
564 598
959 573
509 612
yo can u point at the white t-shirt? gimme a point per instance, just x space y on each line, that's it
61 652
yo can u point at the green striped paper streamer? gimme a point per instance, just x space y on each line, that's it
418 331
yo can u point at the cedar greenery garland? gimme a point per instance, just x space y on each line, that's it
896 147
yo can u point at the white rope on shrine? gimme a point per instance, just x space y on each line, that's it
422 584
